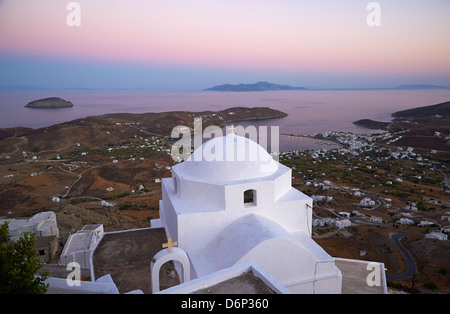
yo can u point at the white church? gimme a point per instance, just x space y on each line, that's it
231 203
230 208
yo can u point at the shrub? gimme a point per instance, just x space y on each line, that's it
19 264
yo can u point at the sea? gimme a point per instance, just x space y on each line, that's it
309 111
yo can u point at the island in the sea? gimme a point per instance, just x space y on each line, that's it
258 86
50 103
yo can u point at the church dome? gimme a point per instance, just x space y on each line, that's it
227 158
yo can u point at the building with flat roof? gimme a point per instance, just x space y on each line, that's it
80 245
45 228
42 225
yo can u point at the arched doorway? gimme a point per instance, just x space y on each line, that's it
163 256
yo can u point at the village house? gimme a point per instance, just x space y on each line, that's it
344 223
411 206
425 223
321 198
405 221
366 202
321 222
376 219
436 235
45 228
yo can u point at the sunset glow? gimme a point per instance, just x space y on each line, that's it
324 38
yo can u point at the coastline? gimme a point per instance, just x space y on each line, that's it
116 128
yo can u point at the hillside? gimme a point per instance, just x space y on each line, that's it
371 124
424 129
111 129
442 109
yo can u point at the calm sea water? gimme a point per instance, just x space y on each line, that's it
309 111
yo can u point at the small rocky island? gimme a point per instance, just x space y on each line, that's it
50 103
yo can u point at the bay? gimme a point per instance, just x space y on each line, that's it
310 111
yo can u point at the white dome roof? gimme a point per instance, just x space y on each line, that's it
228 158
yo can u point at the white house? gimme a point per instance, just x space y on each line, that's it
318 223
411 206
405 221
56 199
106 204
323 222
376 219
366 202
344 223
322 198
425 223
436 235
42 225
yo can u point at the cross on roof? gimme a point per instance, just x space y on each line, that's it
232 128
169 244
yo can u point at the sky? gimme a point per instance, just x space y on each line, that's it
196 44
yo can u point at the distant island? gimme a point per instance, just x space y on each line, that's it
50 103
421 86
258 86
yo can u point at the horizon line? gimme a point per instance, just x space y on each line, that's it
40 88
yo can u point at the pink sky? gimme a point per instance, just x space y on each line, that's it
325 36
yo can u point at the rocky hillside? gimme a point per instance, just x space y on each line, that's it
112 129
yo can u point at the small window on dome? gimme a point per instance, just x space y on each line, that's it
249 197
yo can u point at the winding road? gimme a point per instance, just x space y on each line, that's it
16 147
411 267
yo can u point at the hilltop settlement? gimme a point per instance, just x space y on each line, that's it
376 197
